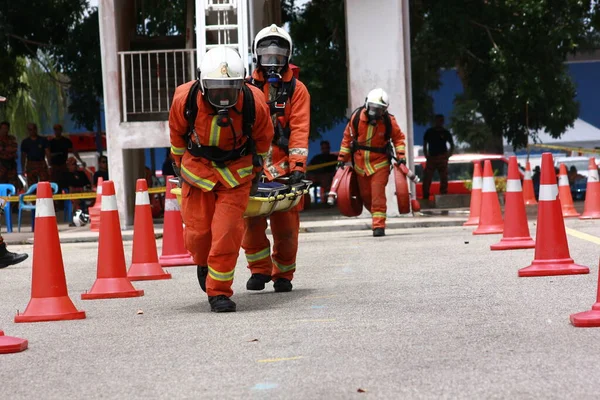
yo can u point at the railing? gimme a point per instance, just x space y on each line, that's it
149 79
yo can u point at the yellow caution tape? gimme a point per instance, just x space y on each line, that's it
319 166
565 148
72 196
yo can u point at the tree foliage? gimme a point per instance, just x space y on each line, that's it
79 58
510 57
319 34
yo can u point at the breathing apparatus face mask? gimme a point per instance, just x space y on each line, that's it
272 56
222 93
375 112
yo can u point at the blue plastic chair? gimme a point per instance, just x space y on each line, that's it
24 206
7 189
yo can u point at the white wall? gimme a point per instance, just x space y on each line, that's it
376 58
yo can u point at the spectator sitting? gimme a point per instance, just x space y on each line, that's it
77 182
574 175
102 171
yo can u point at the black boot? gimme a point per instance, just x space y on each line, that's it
282 285
377 232
202 272
221 303
9 258
257 281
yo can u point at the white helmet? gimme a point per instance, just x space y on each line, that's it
222 76
80 218
272 47
377 103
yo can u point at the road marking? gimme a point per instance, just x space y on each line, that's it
270 360
265 386
583 236
323 297
318 307
315 320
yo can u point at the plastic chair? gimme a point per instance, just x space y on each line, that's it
24 206
7 189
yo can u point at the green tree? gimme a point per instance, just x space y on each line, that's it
26 27
40 98
510 58
319 34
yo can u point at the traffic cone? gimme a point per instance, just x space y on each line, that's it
551 248
591 207
49 297
528 192
111 279
490 215
173 245
475 206
564 193
94 211
10 344
144 263
591 318
516 230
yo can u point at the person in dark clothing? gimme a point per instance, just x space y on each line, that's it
77 182
535 179
34 154
437 154
102 171
323 176
60 147
167 167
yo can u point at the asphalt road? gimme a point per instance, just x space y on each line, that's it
421 313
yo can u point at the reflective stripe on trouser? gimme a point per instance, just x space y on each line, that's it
214 229
372 191
285 227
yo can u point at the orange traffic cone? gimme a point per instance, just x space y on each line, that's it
49 297
591 207
490 216
111 279
475 206
528 193
564 193
551 248
144 263
94 211
516 231
10 344
173 248
591 318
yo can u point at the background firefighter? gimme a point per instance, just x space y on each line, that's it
217 152
367 143
289 103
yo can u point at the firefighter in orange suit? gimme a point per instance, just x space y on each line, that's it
368 141
289 104
220 131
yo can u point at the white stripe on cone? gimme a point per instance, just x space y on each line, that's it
528 175
142 198
489 186
109 203
44 208
513 185
593 175
563 180
477 183
548 192
99 189
171 205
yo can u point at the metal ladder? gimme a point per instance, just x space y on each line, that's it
222 22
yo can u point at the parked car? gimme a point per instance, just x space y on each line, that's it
579 186
460 170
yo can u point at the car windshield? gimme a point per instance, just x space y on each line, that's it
581 165
462 171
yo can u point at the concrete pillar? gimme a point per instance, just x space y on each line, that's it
111 84
376 43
